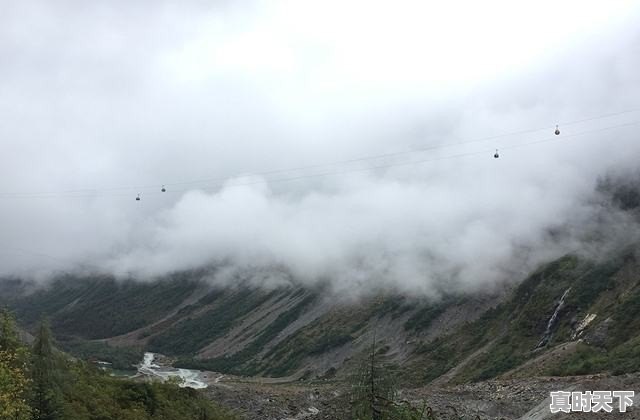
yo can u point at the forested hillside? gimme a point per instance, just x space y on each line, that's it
39 382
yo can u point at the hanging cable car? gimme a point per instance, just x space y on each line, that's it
557 130
496 155
138 197
163 189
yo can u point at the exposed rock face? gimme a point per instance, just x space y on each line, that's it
598 335
580 327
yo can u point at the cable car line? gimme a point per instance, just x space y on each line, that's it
406 163
414 162
93 192
359 159
392 154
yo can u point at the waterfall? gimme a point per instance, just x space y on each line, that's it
552 321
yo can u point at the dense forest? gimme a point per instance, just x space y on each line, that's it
40 382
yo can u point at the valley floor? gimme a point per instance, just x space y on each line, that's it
511 399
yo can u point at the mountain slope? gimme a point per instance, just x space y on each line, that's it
594 329
296 331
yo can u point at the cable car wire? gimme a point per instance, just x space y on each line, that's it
100 191
568 137
313 166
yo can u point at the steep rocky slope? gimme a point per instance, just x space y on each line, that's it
572 316
241 330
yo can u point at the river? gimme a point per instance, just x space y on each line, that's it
189 378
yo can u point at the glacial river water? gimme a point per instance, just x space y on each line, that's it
189 378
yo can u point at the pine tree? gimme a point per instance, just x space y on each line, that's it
8 333
373 390
47 397
374 394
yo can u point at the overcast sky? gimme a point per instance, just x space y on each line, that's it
101 101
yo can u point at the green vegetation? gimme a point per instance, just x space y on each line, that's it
121 358
97 396
619 353
189 336
46 373
243 362
585 359
590 359
14 375
625 358
335 329
593 283
101 307
512 330
324 334
42 383
394 306
374 394
626 314
422 319
502 339
522 321
440 356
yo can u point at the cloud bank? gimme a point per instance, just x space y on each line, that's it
104 102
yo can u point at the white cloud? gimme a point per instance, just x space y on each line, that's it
140 95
